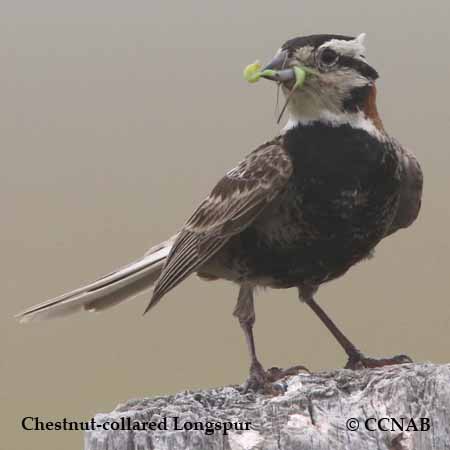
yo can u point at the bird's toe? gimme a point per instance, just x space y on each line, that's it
276 374
359 361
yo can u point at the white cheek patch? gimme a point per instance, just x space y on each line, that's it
354 48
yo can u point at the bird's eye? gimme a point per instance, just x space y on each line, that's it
328 57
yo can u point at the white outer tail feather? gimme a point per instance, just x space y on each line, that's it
107 291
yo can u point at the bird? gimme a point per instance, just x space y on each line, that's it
298 211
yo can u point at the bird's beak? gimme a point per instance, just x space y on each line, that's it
276 71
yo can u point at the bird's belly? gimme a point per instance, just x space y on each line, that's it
303 240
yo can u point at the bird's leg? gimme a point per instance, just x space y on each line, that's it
356 359
245 312
259 379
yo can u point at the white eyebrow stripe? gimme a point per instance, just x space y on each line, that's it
354 48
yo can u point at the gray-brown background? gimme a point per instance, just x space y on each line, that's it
116 119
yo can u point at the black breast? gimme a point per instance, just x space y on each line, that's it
339 202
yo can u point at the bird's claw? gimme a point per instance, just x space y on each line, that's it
258 380
266 382
358 361
276 374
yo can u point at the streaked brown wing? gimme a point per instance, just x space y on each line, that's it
239 197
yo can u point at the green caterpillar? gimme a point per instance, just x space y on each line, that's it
253 72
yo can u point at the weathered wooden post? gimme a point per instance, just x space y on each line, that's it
403 407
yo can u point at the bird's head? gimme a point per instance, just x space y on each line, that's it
338 81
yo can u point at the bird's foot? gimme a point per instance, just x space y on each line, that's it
358 361
276 374
258 380
265 382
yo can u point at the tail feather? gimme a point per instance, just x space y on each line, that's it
107 291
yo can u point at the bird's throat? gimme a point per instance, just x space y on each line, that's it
360 112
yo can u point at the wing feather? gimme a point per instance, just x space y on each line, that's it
234 203
411 179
